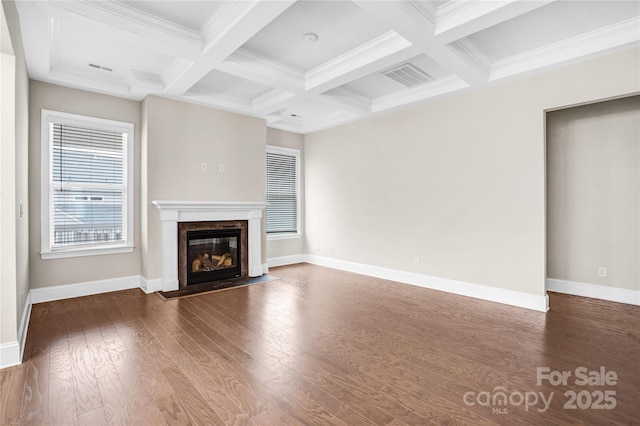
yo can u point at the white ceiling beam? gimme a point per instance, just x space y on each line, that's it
364 58
458 19
321 82
415 24
248 65
233 24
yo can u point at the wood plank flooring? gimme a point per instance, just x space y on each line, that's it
320 346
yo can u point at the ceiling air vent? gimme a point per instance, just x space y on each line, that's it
100 67
408 75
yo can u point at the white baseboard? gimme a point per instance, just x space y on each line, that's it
285 260
59 292
594 291
11 352
150 286
24 324
478 291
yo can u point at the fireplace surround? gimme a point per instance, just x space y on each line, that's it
172 213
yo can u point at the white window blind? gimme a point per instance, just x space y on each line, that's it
88 184
282 192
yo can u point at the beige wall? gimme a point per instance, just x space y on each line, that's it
14 227
593 193
179 138
295 246
45 273
457 182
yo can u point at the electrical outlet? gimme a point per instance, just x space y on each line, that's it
416 261
203 167
602 271
221 168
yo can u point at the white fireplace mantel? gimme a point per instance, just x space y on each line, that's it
173 212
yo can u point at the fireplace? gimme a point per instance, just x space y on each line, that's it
211 251
174 213
213 255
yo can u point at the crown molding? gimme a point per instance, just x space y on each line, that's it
134 21
217 100
458 12
458 19
436 88
223 21
271 101
307 126
144 82
83 79
380 47
177 67
235 22
473 59
347 100
329 120
579 47
424 13
246 64
285 125
413 22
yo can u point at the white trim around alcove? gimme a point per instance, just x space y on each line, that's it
172 212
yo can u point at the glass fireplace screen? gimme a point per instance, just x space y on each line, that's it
212 255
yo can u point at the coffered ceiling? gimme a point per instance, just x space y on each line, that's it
370 56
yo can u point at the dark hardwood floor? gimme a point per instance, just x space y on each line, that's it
320 346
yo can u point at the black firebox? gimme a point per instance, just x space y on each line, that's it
213 255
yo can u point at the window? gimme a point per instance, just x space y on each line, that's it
87 186
283 193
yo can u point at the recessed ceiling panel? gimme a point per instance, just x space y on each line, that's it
549 24
341 26
220 82
189 14
80 47
378 84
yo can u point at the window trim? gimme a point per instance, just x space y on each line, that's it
46 147
273 149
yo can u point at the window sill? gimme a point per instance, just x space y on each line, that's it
80 252
275 237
